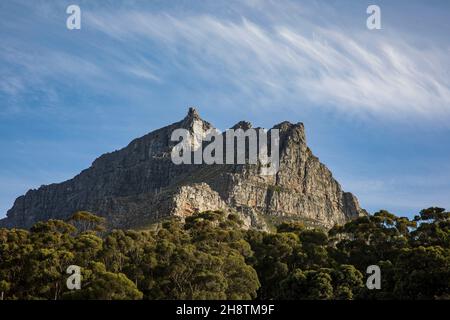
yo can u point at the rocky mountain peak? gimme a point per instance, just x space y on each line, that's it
192 114
139 185
193 122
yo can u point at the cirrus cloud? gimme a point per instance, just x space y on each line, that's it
351 71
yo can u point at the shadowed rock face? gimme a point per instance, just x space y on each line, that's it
139 184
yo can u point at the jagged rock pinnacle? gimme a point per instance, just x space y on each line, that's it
244 125
192 113
193 122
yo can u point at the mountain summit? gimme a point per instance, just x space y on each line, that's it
139 185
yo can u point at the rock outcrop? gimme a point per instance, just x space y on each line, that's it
139 185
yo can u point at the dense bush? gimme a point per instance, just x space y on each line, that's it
210 256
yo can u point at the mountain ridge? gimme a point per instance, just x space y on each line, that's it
139 184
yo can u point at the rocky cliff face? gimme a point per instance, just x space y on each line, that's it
139 184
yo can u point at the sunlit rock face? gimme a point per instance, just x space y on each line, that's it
139 185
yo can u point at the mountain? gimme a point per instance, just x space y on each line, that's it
139 185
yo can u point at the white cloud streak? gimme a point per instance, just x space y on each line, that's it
284 57
353 72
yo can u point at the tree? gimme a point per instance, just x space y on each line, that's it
4 288
434 228
275 256
99 284
423 273
347 282
308 285
86 221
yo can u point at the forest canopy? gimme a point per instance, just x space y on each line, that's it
210 256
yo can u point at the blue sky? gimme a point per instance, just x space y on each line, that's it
376 104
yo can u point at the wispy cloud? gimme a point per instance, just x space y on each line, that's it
260 52
348 70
